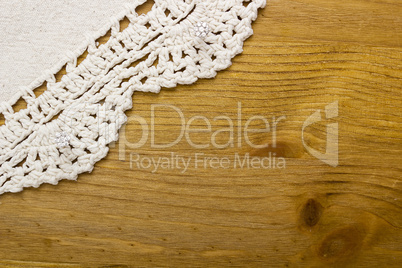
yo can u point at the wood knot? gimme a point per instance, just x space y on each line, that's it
341 243
311 213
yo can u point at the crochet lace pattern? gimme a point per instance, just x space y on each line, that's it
67 129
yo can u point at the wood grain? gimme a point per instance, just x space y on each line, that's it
304 55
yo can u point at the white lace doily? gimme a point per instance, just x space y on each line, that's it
38 37
67 129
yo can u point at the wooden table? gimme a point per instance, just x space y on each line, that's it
298 212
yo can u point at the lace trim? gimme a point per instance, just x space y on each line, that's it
66 130
71 56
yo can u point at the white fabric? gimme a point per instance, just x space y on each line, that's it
37 35
67 129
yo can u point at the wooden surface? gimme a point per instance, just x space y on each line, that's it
304 55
